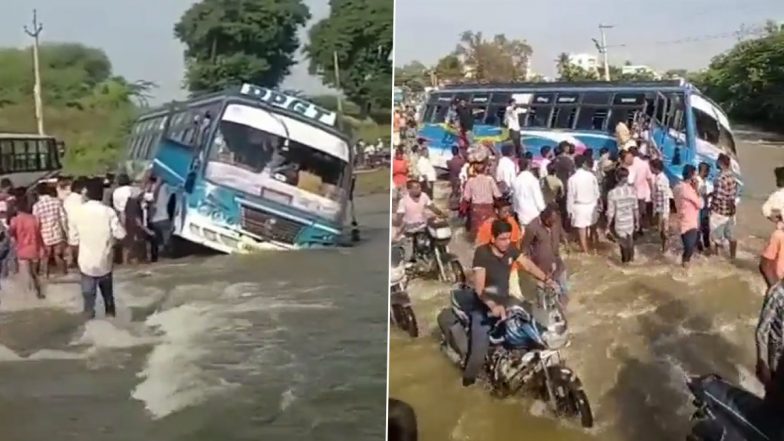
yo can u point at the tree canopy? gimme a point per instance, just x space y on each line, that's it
360 33
748 80
233 41
496 60
413 75
84 103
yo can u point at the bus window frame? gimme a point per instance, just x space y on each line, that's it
593 109
556 114
532 111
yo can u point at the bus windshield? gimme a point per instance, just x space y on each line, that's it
250 149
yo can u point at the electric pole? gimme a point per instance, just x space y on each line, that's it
35 32
603 50
337 86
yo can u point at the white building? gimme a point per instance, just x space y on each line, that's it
637 69
589 62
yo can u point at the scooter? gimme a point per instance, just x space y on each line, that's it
432 255
725 412
401 314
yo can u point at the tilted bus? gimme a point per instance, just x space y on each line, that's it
687 127
252 168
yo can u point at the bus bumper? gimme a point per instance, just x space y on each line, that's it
203 231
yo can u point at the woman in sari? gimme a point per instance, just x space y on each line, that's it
480 193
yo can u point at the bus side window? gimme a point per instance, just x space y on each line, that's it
441 111
591 118
620 114
538 116
429 111
6 157
707 127
495 115
479 114
563 117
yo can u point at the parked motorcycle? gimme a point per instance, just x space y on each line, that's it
401 314
432 255
524 356
725 412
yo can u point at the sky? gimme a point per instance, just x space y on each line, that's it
137 35
426 30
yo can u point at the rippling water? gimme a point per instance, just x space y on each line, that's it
636 332
275 346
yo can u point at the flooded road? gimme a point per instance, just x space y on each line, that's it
636 332
275 346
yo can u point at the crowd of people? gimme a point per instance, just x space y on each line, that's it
521 213
85 225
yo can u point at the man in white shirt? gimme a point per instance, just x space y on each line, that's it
512 123
427 173
774 205
71 204
527 197
506 171
97 227
122 193
581 199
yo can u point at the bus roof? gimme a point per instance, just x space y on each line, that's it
243 94
24 136
578 85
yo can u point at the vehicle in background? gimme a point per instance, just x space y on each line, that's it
27 159
252 168
686 126
399 96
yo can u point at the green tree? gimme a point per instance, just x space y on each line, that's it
748 80
233 41
84 104
450 69
414 75
496 60
569 72
359 32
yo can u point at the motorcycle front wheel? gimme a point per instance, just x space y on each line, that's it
406 320
570 398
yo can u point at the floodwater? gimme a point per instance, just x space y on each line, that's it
287 345
636 332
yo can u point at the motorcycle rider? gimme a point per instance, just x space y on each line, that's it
491 270
412 208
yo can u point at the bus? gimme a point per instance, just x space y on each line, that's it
687 127
253 168
29 158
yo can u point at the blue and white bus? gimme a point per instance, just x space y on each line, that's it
686 126
253 168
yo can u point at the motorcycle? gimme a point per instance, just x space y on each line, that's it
524 356
431 252
725 412
401 314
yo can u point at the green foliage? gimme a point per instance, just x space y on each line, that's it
84 105
415 76
360 33
570 72
496 60
233 41
449 68
748 80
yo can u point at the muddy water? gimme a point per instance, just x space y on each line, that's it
271 346
636 332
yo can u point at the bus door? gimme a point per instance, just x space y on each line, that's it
669 139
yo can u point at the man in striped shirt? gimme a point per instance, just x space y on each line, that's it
622 207
770 346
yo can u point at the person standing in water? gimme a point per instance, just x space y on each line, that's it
97 227
722 209
624 210
582 195
689 204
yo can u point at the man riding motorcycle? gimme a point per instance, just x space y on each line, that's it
491 269
412 208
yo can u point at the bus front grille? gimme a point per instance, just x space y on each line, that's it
270 226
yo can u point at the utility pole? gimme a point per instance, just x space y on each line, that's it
337 86
35 32
603 50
